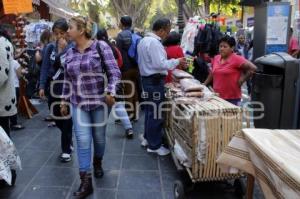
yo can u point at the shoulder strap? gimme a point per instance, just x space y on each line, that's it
100 52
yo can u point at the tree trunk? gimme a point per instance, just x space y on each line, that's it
207 6
180 20
138 11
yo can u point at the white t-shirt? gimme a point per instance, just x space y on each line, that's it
16 65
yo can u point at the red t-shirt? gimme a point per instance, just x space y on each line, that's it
173 52
227 75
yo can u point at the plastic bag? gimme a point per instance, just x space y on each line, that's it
189 34
181 155
202 142
180 74
189 85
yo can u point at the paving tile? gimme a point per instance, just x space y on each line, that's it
45 192
99 194
23 137
112 162
133 147
115 131
136 162
54 176
167 163
114 146
34 158
139 180
138 195
11 192
46 141
25 175
104 194
169 195
169 179
109 181
35 123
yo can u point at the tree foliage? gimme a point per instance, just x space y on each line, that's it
205 7
144 12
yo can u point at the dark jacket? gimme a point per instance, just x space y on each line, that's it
124 40
52 62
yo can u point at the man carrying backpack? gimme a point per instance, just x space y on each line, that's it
127 42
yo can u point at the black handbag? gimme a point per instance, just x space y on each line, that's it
120 86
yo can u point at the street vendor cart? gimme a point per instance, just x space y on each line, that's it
198 129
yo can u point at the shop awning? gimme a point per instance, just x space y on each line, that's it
60 8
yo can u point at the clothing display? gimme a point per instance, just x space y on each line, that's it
34 30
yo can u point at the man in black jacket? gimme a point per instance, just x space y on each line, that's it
130 68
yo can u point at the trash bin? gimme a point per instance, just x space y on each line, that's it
276 85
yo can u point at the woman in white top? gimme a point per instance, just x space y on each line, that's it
18 72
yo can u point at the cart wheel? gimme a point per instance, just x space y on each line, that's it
179 190
239 187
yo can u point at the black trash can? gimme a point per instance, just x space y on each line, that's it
276 89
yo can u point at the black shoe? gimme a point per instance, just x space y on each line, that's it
13 177
48 119
118 122
129 133
134 120
98 170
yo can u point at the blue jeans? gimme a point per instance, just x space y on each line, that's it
88 125
121 114
154 93
236 102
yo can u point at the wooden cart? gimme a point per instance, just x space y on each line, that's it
205 125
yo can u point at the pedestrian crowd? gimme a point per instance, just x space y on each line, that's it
86 76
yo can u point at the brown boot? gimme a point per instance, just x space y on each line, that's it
86 186
98 171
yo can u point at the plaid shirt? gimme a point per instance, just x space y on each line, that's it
84 83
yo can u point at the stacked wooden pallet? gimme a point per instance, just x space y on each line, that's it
203 129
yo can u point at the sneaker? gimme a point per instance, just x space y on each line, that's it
65 157
144 142
51 124
162 151
129 133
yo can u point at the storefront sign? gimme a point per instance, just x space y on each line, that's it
17 6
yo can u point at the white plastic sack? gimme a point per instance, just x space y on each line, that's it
189 34
189 85
180 74
181 156
202 142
